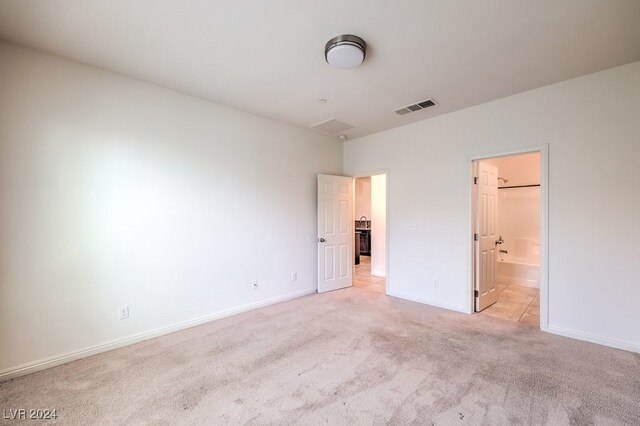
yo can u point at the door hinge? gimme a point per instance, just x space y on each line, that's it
476 237
475 180
475 293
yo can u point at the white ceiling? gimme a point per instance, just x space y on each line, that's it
267 57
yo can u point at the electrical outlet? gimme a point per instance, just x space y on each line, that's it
254 284
294 276
436 283
411 226
123 312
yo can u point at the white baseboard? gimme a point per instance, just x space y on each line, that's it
42 364
612 343
429 302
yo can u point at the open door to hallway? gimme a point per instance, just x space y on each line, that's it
370 218
335 232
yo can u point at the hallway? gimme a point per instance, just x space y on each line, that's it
362 276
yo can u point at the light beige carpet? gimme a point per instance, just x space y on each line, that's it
352 356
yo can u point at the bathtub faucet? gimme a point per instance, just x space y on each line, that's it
504 251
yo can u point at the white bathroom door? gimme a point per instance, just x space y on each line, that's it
486 293
335 232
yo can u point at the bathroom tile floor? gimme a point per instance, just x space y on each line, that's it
516 303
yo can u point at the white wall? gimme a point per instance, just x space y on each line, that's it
519 208
521 169
592 129
378 225
519 223
114 191
363 198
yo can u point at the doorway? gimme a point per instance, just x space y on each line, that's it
509 245
338 228
370 234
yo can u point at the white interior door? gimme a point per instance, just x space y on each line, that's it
335 232
486 237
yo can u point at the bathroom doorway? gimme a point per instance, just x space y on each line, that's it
370 236
507 204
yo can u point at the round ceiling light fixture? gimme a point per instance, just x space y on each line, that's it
345 51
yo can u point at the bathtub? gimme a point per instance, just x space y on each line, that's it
519 271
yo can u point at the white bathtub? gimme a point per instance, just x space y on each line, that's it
518 271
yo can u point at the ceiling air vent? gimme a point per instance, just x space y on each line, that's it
332 126
415 107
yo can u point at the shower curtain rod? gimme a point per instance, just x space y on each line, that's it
518 186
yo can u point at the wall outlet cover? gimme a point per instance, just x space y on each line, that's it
123 312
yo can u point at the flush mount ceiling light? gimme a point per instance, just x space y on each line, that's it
345 51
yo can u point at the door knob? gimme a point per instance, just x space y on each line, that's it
321 240
500 240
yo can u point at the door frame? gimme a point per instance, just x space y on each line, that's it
364 174
543 150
